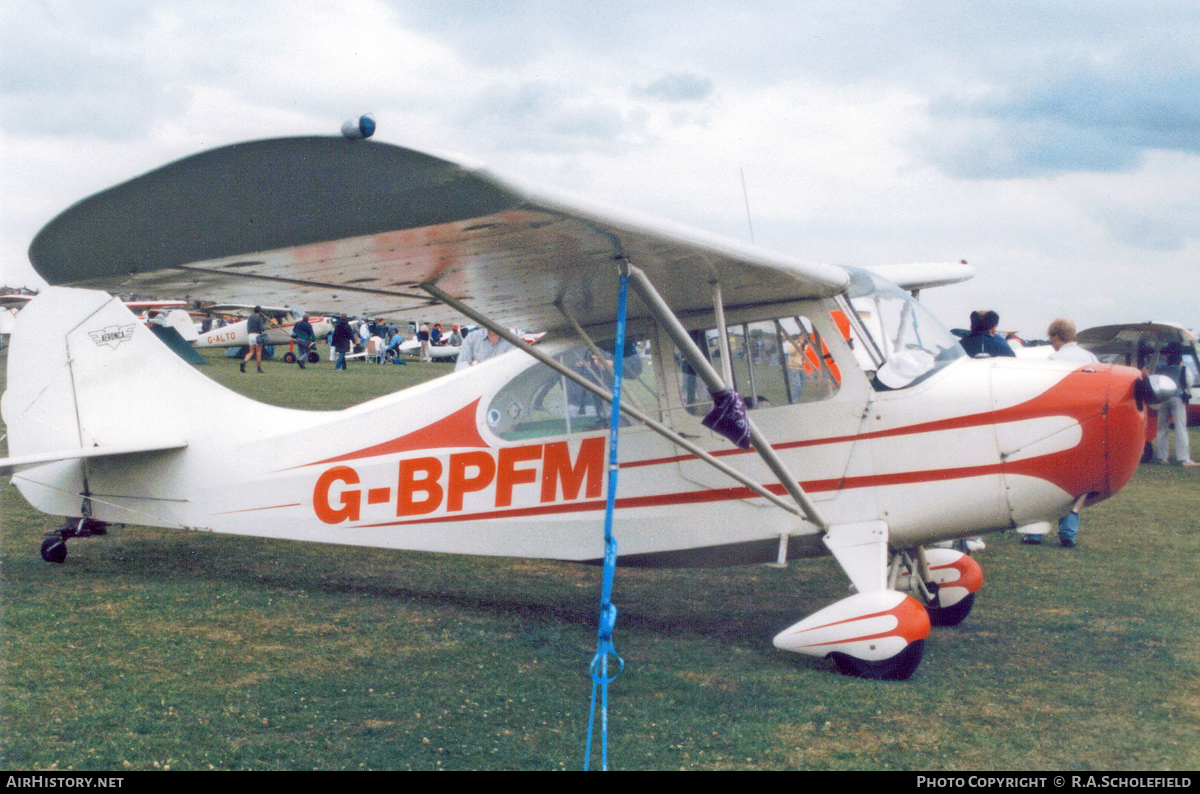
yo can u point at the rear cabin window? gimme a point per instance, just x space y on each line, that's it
541 402
781 361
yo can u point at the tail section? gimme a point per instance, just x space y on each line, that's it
84 373
87 380
181 321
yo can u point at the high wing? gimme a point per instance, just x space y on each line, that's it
14 301
140 305
1134 344
360 226
247 309
916 276
1133 332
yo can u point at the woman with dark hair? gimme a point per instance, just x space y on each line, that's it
982 341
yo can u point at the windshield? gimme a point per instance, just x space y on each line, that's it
912 341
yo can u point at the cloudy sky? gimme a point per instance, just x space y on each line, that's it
1055 145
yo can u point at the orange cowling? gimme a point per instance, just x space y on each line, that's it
1101 398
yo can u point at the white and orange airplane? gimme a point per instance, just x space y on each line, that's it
235 334
876 440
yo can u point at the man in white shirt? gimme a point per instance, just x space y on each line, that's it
480 345
1062 338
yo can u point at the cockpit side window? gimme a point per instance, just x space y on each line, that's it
541 402
774 362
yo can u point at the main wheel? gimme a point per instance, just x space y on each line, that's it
289 358
54 549
951 615
899 668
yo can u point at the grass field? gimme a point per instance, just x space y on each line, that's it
164 649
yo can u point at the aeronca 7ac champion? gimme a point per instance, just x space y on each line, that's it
868 435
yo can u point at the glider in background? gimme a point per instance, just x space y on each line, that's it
234 334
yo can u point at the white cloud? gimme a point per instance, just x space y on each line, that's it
882 132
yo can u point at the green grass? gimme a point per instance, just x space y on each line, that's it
153 648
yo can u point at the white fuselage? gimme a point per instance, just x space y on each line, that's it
983 445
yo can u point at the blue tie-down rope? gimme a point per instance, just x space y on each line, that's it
599 671
599 667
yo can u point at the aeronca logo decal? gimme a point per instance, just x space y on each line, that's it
113 335
423 485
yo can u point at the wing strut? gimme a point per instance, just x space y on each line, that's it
592 346
723 335
607 396
712 379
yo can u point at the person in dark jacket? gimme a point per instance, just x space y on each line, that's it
982 341
302 332
1175 409
256 330
343 339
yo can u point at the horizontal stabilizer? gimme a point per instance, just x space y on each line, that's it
8 465
174 340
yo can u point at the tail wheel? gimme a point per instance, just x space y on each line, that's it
951 615
898 668
54 549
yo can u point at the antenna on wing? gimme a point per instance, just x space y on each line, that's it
746 198
362 127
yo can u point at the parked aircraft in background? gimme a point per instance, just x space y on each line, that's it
916 276
10 305
869 435
279 325
235 333
1141 345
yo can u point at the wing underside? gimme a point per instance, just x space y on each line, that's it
358 226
